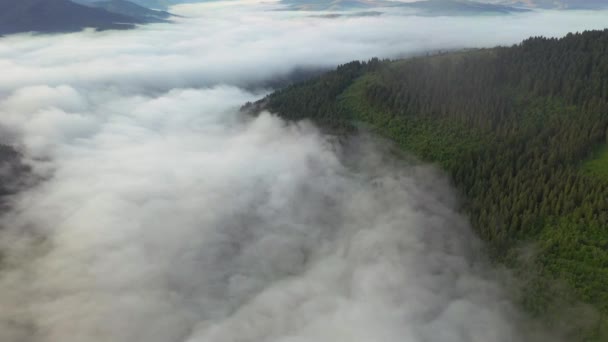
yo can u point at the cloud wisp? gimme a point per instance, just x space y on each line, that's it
165 215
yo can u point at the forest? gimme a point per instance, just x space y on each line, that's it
523 133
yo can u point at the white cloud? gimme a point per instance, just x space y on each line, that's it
237 44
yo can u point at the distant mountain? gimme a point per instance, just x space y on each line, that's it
424 7
130 9
334 5
50 16
357 14
151 4
557 4
460 7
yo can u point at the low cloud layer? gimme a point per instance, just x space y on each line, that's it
242 44
162 214
250 231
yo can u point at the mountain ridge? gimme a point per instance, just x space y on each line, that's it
557 4
131 9
423 7
57 16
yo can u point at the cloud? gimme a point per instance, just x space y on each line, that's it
240 44
253 231
165 215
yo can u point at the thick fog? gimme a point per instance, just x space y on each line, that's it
160 213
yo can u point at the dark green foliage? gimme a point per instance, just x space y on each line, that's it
597 165
315 99
515 128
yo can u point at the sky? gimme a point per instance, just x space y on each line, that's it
158 212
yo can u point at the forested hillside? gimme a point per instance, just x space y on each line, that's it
523 132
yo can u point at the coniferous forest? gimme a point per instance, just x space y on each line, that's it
523 133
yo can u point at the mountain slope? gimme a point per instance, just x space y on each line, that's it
522 131
562 4
133 10
425 7
333 5
151 4
49 16
460 7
